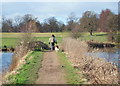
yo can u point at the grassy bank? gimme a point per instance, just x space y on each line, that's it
27 74
72 75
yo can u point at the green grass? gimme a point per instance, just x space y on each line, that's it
12 42
28 73
12 39
97 36
71 73
46 39
17 35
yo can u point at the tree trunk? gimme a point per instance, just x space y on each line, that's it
91 32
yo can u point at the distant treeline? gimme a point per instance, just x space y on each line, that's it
90 21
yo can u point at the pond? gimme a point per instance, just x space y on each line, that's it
110 55
5 60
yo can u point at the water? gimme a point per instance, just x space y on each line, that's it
112 56
5 60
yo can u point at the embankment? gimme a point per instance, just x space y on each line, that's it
71 73
27 69
96 70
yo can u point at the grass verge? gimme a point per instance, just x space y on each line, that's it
28 72
72 75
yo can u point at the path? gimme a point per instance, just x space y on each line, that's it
51 71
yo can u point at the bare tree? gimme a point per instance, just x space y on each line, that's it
39 27
71 20
113 22
28 27
61 26
76 32
7 25
53 24
18 20
89 21
113 27
103 20
28 24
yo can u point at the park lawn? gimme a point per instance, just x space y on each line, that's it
12 42
46 39
9 42
28 72
17 35
12 39
97 36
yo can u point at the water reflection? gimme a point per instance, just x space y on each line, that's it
110 55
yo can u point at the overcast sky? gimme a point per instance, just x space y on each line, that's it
60 10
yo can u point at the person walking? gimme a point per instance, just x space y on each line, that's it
52 41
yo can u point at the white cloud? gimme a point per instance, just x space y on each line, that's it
58 10
60 0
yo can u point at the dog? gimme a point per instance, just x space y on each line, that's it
56 48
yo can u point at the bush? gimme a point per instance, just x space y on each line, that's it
114 37
76 35
117 38
76 31
21 50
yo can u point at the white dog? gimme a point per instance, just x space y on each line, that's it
56 48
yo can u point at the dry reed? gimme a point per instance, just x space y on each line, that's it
96 70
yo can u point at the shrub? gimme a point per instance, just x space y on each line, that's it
117 38
114 37
21 50
76 35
